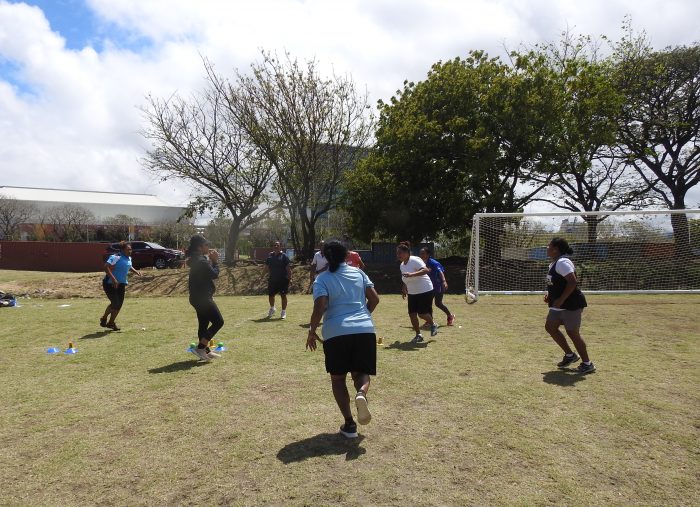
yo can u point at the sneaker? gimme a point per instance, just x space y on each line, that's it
202 354
103 322
434 330
363 415
451 319
586 368
271 312
113 326
283 315
567 360
213 355
349 430
417 339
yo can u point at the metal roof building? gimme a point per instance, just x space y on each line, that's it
148 208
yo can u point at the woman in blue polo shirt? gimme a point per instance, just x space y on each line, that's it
117 267
345 298
437 276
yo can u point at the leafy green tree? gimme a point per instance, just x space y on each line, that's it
660 121
464 140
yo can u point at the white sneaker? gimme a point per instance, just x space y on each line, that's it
271 312
202 355
213 355
363 415
283 315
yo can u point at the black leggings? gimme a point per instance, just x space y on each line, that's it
438 303
207 312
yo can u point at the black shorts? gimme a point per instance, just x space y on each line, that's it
115 294
277 286
421 303
351 352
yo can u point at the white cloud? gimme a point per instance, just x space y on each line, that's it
75 121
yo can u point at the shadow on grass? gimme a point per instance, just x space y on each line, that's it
98 334
265 319
565 378
179 366
323 444
408 346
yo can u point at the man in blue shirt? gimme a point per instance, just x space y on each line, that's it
437 276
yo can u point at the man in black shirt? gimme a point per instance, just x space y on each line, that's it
279 274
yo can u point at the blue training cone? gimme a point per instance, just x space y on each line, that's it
191 348
220 347
71 350
53 350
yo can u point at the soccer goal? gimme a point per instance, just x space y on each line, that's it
615 252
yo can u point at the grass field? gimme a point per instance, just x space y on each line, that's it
477 416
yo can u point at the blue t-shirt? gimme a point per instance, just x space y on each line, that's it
121 264
435 270
347 311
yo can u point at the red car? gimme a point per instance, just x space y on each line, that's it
146 254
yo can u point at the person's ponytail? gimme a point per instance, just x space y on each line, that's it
335 253
562 245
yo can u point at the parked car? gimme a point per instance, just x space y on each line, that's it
146 254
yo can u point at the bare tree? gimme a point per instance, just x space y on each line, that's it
197 140
311 129
68 222
14 213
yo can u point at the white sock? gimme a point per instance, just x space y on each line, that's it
587 363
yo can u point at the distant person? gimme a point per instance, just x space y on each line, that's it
279 272
437 277
117 269
566 304
319 264
345 298
354 260
204 269
417 286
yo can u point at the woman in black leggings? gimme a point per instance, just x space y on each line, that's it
204 269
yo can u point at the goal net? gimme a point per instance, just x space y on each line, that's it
614 252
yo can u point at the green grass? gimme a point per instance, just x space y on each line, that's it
478 416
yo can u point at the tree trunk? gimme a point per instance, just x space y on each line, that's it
234 232
681 232
592 228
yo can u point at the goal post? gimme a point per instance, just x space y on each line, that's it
615 252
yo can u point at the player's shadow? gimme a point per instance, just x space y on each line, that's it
179 366
565 378
98 334
408 346
266 319
323 444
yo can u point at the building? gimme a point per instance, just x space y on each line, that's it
144 209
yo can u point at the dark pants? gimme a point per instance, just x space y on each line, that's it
209 318
439 304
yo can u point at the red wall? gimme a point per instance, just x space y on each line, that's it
50 256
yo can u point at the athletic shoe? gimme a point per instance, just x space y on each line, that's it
567 360
103 322
585 368
213 355
113 326
433 330
349 430
283 315
271 312
363 415
451 319
418 338
202 354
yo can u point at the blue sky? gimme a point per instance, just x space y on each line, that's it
74 73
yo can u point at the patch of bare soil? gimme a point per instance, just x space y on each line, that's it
248 279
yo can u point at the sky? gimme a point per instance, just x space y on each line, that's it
74 73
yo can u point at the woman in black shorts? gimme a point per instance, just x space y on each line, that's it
204 269
117 269
566 304
345 298
417 286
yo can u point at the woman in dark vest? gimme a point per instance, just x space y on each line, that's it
204 269
566 304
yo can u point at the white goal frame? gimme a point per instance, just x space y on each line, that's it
472 291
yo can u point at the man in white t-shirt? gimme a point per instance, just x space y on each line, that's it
319 263
419 289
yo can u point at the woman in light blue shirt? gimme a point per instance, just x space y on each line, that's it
117 269
345 298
